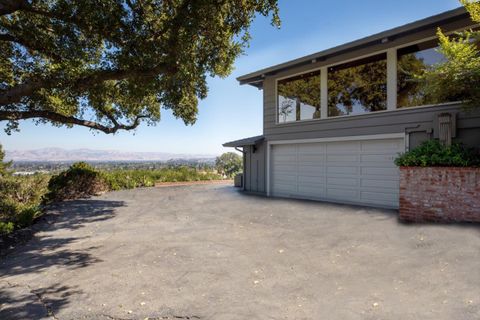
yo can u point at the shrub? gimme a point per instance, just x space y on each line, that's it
433 154
6 228
26 215
129 179
80 181
20 199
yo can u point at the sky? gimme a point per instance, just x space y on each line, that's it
231 111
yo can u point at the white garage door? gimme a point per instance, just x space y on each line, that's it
356 172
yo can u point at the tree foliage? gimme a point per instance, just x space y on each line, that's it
459 75
300 90
229 164
112 64
364 85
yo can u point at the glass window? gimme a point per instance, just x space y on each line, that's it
412 61
358 87
299 97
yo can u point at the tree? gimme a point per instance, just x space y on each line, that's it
110 65
229 164
300 90
364 85
286 108
4 166
458 77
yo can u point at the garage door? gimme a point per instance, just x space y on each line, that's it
355 172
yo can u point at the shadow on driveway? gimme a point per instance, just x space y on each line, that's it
49 248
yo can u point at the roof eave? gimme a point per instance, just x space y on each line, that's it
256 78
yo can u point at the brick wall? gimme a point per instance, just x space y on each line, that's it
440 194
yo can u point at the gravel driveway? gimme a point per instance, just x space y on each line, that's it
210 252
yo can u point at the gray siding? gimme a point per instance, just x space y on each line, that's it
255 168
418 122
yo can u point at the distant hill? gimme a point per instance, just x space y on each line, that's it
59 154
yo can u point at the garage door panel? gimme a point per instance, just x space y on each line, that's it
285 149
311 148
285 178
342 170
386 158
284 168
359 172
316 171
284 187
342 194
382 171
315 192
347 182
282 158
374 183
381 145
335 158
378 197
320 180
343 146
311 158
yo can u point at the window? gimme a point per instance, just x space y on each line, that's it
414 60
299 97
358 87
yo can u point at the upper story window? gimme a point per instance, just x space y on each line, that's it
411 62
298 98
358 87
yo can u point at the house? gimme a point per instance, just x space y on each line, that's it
334 121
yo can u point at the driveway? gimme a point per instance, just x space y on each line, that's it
210 252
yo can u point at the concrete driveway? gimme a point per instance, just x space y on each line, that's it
210 252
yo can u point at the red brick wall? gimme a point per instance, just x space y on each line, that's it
440 194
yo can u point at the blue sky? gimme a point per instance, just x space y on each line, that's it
232 111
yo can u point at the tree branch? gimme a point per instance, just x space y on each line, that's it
56 117
15 94
10 6
29 45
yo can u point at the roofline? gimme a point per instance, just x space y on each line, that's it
244 142
256 78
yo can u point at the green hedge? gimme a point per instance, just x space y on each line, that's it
433 154
130 179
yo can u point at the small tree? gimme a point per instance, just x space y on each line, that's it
229 164
459 75
3 165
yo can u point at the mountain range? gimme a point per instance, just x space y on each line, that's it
65 155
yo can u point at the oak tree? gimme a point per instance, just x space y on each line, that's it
112 64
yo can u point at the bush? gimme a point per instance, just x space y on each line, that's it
6 228
80 181
433 154
20 199
26 215
130 179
